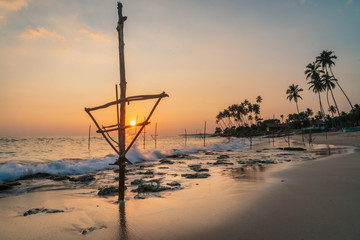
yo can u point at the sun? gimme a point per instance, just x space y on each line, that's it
133 123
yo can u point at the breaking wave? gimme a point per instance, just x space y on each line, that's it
13 170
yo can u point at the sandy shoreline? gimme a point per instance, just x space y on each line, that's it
315 200
310 200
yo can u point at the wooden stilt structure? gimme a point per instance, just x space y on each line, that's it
120 148
185 137
204 133
89 137
144 135
155 136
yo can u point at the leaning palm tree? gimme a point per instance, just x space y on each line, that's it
293 93
329 85
326 60
317 87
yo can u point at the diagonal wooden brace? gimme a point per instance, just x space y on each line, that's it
139 132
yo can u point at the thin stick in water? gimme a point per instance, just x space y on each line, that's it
185 137
89 137
204 133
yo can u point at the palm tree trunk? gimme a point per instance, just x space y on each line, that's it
231 124
297 107
221 127
352 107
321 107
222 120
327 97
335 102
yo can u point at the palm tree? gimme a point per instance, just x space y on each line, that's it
312 71
293 93
259 99
317 87
309 112
326 60
332 110
329 84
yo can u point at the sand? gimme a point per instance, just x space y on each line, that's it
309 200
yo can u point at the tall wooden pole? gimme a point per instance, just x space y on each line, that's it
120 28
186 137
204 133
144 135
155 134
89 137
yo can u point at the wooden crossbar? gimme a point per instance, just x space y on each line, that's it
123 127
128 126
128 99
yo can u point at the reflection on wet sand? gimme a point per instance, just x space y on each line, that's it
122 220
249 173
330 150
253 172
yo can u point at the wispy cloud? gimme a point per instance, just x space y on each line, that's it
94 35
13 5
302 2
350 1
7 6
33 33
2 21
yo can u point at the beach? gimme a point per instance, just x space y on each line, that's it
315 198
310 200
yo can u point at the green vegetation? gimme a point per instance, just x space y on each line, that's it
244 119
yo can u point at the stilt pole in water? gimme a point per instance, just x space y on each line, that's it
155 134
120 102
185 137
89 137
120 29
204 133
144 134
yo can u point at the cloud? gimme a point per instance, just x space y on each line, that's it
13 5
94 35
350 1
2 21
33 33
302 2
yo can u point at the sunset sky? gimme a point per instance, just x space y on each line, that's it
57 57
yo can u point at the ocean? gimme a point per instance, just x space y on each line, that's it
23 156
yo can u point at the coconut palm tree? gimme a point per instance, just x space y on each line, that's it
312 71
220 117
326 60
259 99
293 93
332 110
329 84
309 112
317 87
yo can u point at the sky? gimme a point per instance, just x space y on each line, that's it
58 57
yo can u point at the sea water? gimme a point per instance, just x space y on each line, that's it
22 156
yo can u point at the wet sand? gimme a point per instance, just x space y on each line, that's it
305 200
310 200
